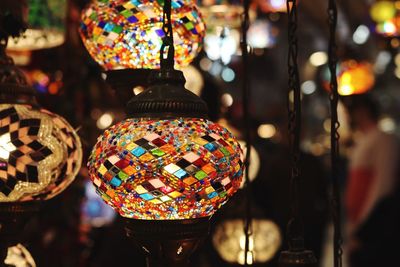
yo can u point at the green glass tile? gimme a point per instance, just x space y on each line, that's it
200 175
157 152
225 151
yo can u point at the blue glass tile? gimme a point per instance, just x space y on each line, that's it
138 151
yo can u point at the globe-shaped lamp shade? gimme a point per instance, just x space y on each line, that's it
386 14
40 153
229 241
19 256
168 169
124 34
46 26
353 77
221 13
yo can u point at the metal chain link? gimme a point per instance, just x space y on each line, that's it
246 117
168 39
295 230
334 98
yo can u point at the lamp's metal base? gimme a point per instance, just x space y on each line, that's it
168 243
13 218
125 80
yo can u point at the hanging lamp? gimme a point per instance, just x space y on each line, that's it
296 255
124 38
45 22
166 169
40 153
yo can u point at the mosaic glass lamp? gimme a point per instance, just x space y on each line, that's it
46 26
221 13
40 153
127 34
229 241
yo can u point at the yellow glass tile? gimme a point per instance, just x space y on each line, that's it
209 190
200 141
131 146
102 169
146 157
140 189
156 201
174 194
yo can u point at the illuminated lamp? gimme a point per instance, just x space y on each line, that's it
46 25
166 168
222 13
386 14
124 38
40 153
229 241
262 34
19 256
268 6
353 77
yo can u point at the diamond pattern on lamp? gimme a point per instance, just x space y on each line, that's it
166 169
20 150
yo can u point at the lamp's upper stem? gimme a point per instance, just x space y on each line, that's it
168 40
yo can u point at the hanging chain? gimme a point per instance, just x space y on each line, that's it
295 228
334 98
168 39
246 116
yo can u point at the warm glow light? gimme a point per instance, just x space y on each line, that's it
19 256
128 34
264 242
254 166
105 121
353 77
266 131
386 14
46 26
194 79
318 58
166 169
262 34
227 100
387 124
40 153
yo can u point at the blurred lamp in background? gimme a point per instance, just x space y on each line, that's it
272 6
262 34
40 153
386 14
229 241
221 13
46 26
353 77
128 34
19 256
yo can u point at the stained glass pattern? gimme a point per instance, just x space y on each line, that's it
128 33
167 169
40 153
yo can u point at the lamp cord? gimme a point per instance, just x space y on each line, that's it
295 225
246 116
333 99
168 39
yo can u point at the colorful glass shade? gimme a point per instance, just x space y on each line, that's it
353 77
386 14
46 26
19 256
40 153
128 33
264 243
166 169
